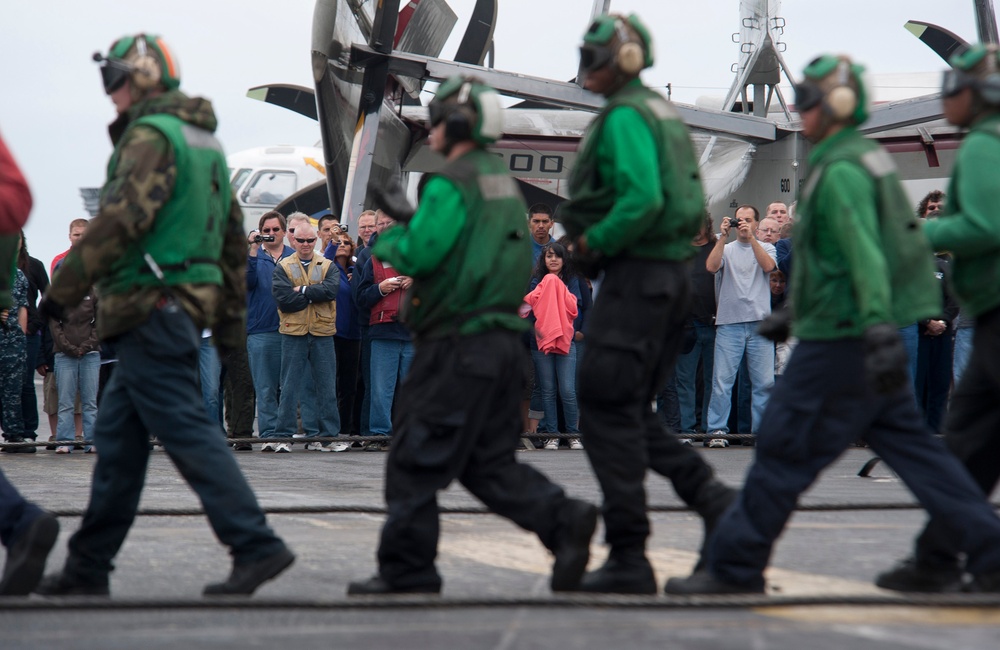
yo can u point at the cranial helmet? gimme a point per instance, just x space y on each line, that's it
470 109
622 41
977 67
143 58
834 82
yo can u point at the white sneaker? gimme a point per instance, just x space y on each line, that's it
338 446
268 446
64 450
685 441
282 448
299 435
552 444
576 444
718 443
316 446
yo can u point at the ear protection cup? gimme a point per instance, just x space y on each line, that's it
146 71
630 58
458 124
842 101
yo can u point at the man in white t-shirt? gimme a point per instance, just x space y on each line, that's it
744 299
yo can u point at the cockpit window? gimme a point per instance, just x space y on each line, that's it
238 178
269 188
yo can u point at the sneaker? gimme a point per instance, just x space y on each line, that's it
718 443
686 442
376 445
339 447
552 444
268 446
242 446
316 446
90 449
65 449
282 448
300 435
576 444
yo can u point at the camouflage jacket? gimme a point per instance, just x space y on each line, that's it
142 184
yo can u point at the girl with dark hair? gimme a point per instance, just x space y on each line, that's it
554 296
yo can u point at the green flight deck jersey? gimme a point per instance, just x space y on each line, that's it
860 256
969 228
467 249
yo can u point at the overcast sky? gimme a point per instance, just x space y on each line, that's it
53 111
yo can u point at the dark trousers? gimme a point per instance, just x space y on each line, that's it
935 356
154 391
348 361
972 432
458 417
634 334
814 414
238 394
29 400
16 513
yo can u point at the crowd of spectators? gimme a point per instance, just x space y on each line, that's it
324 325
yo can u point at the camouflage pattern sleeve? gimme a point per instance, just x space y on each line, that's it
143 182
230 329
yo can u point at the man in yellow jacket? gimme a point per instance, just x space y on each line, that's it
305 288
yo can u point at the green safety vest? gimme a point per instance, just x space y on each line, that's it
592 197
481 283
188 231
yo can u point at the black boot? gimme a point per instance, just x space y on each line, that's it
713 499
26 556
61 584
625 572
377 586
246 577
910 575
578 519
703 582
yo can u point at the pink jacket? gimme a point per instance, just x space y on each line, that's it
554 308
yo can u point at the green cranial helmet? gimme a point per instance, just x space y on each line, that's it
622 41
977 67
837 83
470 109
143 58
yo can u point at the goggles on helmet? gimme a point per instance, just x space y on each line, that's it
594 57
955 81
807 96
114 72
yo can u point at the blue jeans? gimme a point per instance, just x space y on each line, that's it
154 391
210 370
264 354
552 370
72 375
731 343
687 373
315 357
963 348
390 361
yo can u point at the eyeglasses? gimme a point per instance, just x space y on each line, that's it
306 241
268 231
769 230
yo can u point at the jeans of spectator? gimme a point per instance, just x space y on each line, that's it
744 399
366 371
154 392
963 348
16 512
634 333
238 394
348 358
818 409
29 399
934 361
557 373
972 431
313 357
687 374
264 355
732 342
77 374
210 375
390 361
911 337
668 406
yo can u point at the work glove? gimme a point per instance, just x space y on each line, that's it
886 361
777 326
391 199
50 309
